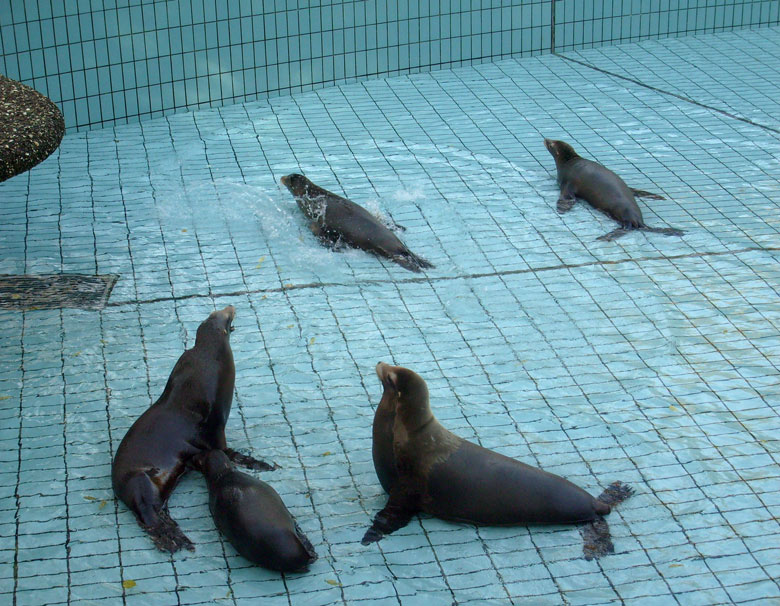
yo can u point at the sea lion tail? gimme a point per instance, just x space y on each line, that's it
667 231
167 535
595 535
412 262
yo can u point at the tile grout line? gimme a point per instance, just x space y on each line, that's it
509 272
666 92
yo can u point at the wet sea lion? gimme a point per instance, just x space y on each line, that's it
335 219
253 517
602 189
189 417
426 468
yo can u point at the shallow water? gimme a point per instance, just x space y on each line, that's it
651 359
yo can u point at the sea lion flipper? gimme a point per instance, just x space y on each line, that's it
166 534
305 542
328 238
640 193
596 539
408 260
396 514
249 461
566 201
667 231
614 234
615 493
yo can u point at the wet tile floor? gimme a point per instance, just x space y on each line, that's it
651 359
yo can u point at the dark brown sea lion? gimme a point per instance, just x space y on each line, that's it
602 189
188 418
335 219
253 517
426 468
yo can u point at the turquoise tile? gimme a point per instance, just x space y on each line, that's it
535 339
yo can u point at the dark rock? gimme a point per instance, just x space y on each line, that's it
31 127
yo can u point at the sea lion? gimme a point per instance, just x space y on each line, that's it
426 468
189 417
335 219
253 517
602 189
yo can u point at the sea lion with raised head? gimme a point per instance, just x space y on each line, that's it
188 418
425 468
602 189
252 516
335 220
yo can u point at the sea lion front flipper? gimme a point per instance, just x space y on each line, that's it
396 514
152 514
667 231
249 461
615 234
307 546
640 193
328 238
166 534
566 200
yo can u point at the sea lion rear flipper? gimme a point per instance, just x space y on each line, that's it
596 537
640 193
308 547
396 514
249 461
566 201
615 234
410 261
667 231
615 493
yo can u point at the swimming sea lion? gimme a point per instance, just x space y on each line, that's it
189 417
253 517
426 468
335 219
602 189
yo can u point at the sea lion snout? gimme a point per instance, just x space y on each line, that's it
386 375
293 182
552 146
226 315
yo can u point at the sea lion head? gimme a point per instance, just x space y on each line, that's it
297 184
560 150
218 324
311 199
406 392
214 464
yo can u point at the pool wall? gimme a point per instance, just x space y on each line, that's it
107 62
